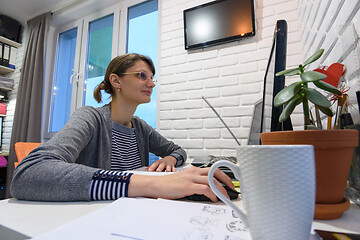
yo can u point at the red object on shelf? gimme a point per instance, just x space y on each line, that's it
334 72
2 109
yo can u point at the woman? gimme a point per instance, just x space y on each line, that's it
86 159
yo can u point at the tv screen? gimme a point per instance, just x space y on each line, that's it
218 22
273 84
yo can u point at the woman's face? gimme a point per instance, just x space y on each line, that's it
133 88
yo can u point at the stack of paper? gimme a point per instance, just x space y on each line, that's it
6 84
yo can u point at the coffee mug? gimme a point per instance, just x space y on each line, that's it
277 185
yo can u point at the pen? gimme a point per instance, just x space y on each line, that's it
312 118
358 99
329 123
318 120
338 112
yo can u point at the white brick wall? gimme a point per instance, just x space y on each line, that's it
334 26
230 76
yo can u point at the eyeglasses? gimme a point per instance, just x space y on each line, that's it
143 76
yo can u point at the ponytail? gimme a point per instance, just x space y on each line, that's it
102 86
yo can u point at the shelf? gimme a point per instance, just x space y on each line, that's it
4 154
5 89
5 70
10 42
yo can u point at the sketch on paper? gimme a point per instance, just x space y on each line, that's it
203 222
214 210
201 232
213 220
198 234
236 226
234 214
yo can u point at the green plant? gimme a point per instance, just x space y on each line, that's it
299 92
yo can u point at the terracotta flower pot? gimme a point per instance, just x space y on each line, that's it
333 154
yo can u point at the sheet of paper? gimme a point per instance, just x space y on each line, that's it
143 172
148 219
197 221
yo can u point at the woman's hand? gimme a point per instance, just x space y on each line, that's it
178 185
167 163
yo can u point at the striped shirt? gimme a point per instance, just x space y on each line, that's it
125 155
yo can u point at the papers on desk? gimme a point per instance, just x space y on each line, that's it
147 219
142 171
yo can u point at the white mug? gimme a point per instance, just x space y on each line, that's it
277 184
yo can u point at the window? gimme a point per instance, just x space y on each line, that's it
79 52
61 92
98 57
83 48
142 38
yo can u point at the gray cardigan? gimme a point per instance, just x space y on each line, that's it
62 168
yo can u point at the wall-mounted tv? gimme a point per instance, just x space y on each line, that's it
218 22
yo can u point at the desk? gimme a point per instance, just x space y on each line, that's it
34 218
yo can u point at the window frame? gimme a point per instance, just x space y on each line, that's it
51 53
84 48
120 11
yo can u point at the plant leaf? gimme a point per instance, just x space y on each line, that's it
312 76
289 108
292 71
326 111
287 93
317 98
327 87
314 57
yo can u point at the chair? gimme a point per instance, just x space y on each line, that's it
22 149
3 161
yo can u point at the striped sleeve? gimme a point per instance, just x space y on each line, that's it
109 185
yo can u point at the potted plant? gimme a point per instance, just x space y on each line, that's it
333 148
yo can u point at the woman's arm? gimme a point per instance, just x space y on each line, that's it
178 185
49 172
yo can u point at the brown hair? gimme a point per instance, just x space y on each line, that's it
118 66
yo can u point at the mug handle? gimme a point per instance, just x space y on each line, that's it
235 170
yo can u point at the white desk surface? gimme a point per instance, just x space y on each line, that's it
32 218
35 218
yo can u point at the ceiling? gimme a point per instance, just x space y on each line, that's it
23 10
